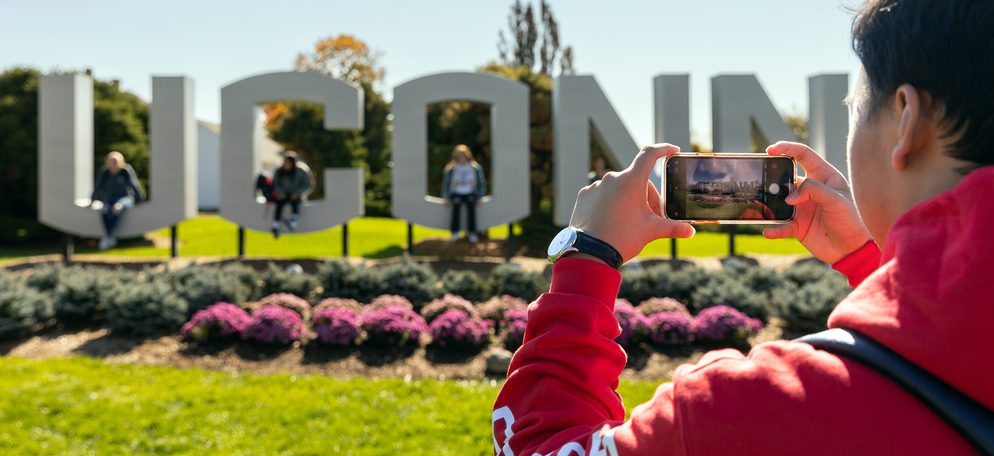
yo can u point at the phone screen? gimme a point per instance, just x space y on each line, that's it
729 189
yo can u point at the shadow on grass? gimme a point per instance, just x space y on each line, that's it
387 252
448 355
380 356
108 345
315 353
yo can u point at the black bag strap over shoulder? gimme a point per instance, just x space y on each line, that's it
971 419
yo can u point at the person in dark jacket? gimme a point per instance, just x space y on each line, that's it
598 170
117 189
291 184
463 184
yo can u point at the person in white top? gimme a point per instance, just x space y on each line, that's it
463 184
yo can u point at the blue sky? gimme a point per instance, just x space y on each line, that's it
624 44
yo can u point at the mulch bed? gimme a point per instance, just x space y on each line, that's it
243 357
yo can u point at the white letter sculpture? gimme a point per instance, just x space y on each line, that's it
579 108
828 118
240 162
509 137
65 157
737 103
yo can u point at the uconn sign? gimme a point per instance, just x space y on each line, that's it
581 112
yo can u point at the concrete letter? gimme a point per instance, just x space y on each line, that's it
240 162
65 157
508 135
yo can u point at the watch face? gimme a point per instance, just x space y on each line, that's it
563 241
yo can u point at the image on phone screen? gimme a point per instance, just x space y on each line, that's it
737 189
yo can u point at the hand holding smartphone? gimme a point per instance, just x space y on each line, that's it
728 188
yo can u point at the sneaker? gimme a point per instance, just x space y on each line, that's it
292 225
104 243
113 242
276 230
455 236
473 238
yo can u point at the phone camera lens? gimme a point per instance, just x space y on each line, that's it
774 166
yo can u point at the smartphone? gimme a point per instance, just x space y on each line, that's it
728 189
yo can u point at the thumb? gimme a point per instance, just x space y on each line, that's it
815 192
670 229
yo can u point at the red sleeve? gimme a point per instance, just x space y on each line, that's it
560 396
857 266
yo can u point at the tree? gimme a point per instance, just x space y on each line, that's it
300 125
526 34
120 123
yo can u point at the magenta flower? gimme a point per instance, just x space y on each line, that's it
671 328
653 306
513 328
494 309
435 308
337 326
384 301
219 321
724 325
287 301
393 326
346 303
456 329
275 325
633 324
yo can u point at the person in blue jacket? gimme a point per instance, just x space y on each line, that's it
463 184
117 189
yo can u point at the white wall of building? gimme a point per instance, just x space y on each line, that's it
209 164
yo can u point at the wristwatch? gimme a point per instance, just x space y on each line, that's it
571 240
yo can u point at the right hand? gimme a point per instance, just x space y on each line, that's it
825 220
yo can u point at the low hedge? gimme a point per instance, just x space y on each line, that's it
23 309
147 303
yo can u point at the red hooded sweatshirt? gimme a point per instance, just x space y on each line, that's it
927 296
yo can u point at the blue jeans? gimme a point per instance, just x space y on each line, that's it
457 202
109 217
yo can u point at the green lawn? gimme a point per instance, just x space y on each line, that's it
83 406
374 237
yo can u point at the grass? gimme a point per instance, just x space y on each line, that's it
84 406
374 237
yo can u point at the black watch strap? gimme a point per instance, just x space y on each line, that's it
590 245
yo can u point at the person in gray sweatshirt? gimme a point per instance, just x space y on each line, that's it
291 184
117 189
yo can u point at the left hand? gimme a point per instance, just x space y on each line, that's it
623 209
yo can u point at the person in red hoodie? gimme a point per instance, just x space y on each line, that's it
914 235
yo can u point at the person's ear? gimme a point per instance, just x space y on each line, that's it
907 108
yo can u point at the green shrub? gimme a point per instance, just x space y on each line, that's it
46 277
342 279
807 271
279 280
511 279
146 309
203 286
244 274
641 284
22 308
465 284
414 281
662 281
725 289
806 308
80 299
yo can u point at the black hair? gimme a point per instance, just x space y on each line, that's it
942 47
